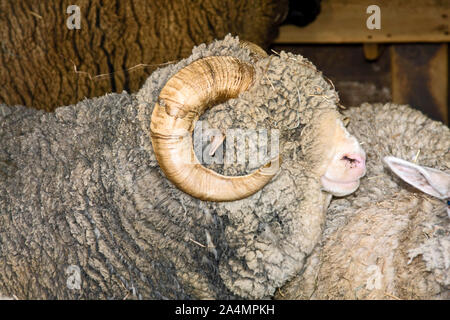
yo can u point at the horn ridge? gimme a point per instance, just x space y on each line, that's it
184 98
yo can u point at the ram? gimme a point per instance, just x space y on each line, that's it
55 53
388 240
111 190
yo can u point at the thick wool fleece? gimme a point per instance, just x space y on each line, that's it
44 63
387 240
269 234
81 188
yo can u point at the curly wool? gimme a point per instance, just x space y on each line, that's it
387 240
45 64
82 187
269 234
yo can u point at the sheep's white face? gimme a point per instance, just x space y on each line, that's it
346 162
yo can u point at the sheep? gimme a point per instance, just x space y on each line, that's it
301 13
87 212
388 240
431 181
45 64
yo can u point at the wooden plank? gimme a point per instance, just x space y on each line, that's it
344 21
371 51
420 78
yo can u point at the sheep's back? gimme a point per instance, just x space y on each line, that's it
44 64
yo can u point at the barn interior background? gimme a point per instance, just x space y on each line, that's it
44 64
405 61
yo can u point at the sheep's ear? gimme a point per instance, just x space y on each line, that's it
428 180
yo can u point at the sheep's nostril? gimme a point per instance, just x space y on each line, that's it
355 161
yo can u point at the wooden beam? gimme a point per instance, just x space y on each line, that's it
371 51
420 78
344 21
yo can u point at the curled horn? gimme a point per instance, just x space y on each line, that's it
184 98
256 52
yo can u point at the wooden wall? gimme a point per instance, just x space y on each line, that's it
405 61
